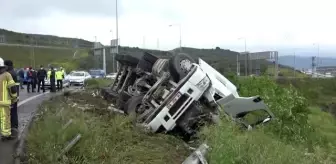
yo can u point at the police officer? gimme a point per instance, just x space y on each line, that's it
52 79
13 112
48 73
59 78
63 72
8 94
41 76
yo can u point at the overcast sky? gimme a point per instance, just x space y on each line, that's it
266 24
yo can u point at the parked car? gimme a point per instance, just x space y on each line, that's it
97 73
78 77
66 83
111 75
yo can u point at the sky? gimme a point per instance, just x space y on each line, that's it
283 25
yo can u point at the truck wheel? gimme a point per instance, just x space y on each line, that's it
133 104
180 65
127 60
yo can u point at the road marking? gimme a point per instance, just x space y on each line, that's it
31 98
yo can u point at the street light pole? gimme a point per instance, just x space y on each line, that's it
245 53
294 64
180 28
117 35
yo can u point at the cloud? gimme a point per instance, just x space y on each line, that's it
266 24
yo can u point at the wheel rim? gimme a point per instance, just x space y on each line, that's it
185 65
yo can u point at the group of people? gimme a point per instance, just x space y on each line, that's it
38 78
10 84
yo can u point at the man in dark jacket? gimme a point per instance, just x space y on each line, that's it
52 80
41 75
21 77
34 82
13 113
30 80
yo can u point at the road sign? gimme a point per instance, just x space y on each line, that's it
114 42
98 51
97 45
2 39
113 50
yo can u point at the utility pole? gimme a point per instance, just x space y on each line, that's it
294 64
158 43
117 35
245 55
144 42
104 60
180 28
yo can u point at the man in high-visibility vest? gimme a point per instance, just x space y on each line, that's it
13 112
63 72
59 78
8 93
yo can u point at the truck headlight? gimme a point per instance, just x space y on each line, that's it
204 82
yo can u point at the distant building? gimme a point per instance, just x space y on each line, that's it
325 69
2 38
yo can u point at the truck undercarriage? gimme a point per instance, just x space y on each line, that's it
178 93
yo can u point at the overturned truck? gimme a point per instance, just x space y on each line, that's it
178 93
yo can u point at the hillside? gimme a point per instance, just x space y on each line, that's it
12 37
27 56
222 59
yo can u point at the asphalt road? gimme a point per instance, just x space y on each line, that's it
27 105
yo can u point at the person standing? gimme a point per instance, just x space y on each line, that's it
21 77
63 72
52 79
34 79
41 75
59 78
13 111
30 80
8 94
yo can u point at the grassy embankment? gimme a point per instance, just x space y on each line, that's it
302 133
23 56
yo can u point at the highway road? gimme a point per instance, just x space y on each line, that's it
27 105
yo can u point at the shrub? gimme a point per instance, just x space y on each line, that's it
288 105
97 83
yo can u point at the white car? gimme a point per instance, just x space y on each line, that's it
65 83
78 77
111 75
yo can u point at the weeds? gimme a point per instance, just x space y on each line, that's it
300 133
107 138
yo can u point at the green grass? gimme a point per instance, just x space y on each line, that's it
23 56
97 83
107 137
301 133
286 72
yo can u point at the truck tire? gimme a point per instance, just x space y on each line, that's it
127 60
179 66
147 61
132 104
